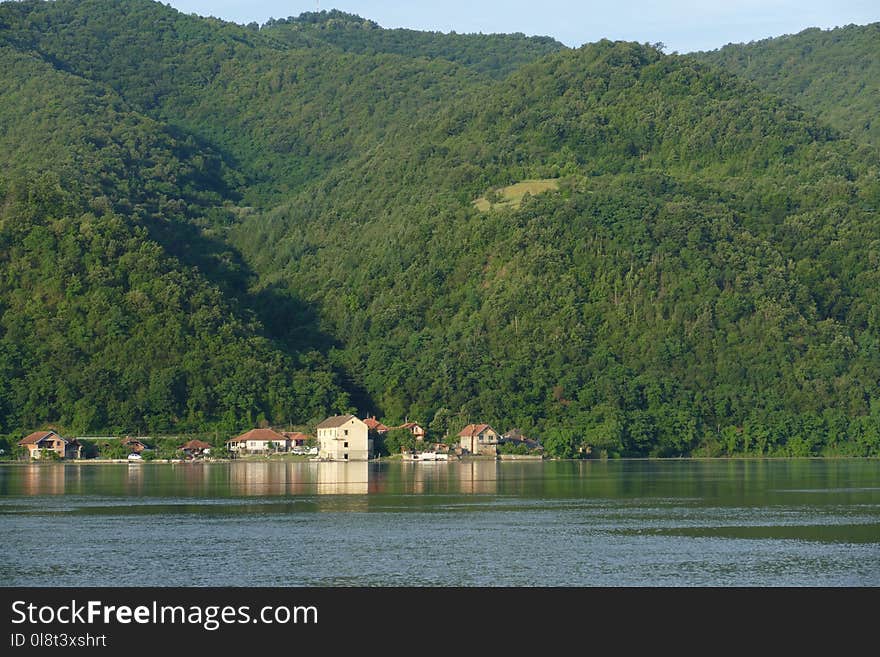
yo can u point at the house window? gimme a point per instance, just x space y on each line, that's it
345 456
345 431
345 445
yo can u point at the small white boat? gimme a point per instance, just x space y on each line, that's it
429 456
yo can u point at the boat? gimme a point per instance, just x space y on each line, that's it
426 456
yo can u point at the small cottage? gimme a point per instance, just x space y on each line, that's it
135 445
415 429
195 448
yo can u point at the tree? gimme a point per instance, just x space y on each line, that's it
561 443
399 440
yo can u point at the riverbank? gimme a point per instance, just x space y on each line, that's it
396 458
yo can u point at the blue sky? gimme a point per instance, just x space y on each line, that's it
683 25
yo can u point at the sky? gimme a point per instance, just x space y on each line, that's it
682 25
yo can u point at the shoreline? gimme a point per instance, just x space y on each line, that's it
465 459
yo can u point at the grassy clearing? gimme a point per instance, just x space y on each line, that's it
512 196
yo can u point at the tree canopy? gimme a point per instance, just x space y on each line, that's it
834 74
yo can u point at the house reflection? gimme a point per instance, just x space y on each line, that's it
428 476
269 478
265 478
415 473
479 477
191 476
340 478
135 477
40 479
279 478
378 480
249 478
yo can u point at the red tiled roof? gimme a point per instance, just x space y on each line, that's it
265 435
374 424
295 435
36 437
472 430
196 444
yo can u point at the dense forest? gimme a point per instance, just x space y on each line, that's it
495 55
206 226
835 74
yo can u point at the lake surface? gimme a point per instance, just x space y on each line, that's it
480 523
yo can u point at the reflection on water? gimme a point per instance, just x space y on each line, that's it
478 477
335 478
266 478
135 478
741 482
808 522
255 478
247 479
40 479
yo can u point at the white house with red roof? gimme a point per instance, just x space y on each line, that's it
259 441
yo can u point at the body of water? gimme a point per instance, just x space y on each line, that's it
479 523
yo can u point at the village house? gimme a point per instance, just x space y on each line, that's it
415 429
516 437
194 448
478 439
259 441
135 445
344 438
41 442
237 445
296 438
375 426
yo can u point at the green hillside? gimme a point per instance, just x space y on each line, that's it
834 74
695 274
280 116
495 55
106 323
692 207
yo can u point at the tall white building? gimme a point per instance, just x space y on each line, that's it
344 438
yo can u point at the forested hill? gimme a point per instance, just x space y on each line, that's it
834 74
496 55
706 248
206 225
107 319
